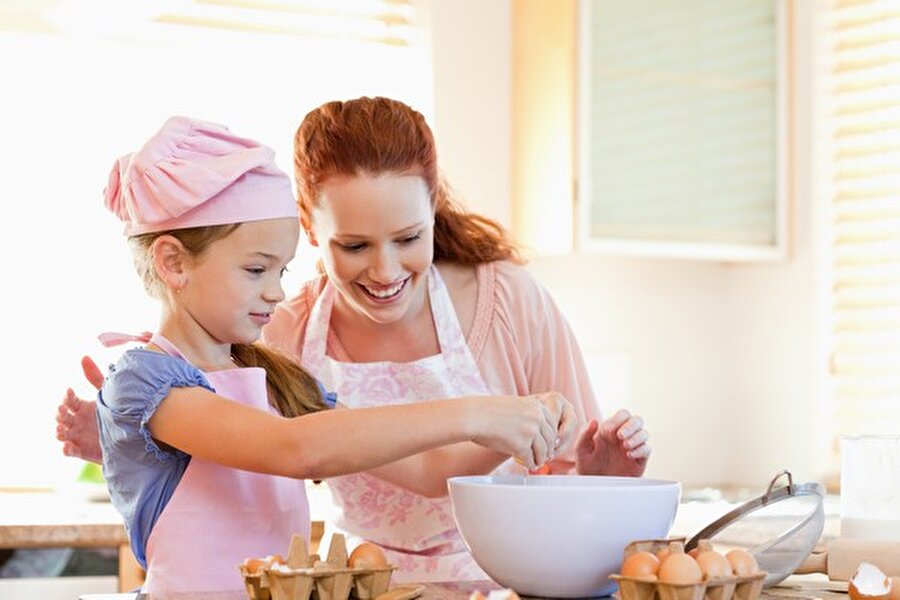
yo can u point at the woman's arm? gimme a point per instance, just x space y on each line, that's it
614 446
338 442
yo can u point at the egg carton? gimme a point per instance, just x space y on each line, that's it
725 588
306 577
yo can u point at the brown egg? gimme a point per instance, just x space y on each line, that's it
662 555
367 556
679 568
641 564
713 565
742 562
253 565
477 595
869 583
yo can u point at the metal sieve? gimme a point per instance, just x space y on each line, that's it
780 528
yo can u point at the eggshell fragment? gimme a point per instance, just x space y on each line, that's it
504 594
895 588
869 583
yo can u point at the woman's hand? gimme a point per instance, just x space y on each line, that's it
76 419
617 446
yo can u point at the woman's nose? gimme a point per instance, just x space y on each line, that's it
383 268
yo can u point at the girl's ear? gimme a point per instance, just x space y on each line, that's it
170 259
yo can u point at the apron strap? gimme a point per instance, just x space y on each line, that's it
115 338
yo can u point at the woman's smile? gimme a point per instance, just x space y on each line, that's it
384 294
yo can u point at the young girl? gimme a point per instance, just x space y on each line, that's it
203 450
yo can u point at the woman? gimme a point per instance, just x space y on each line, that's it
418 299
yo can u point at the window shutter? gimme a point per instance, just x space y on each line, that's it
390 22
684 121
863 134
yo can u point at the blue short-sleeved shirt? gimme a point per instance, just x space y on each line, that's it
141 474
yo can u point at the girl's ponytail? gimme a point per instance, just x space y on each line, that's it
292 390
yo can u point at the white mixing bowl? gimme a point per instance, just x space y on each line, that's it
559 536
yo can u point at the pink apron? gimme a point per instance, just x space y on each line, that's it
218 516
417 533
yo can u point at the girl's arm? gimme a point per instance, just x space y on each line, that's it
426 473
338 442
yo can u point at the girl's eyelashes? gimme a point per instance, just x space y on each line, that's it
261 270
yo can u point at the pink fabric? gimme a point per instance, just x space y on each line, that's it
519 343
114 338
418 534
193 173
250 514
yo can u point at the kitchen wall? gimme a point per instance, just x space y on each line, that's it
724 361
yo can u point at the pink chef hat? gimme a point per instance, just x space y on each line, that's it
194 173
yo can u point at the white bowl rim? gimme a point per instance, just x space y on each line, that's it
516 481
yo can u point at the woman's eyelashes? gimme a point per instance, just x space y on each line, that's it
410 239
359 246
352 247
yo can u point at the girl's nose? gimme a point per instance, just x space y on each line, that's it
275 292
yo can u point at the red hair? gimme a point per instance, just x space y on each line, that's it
380 135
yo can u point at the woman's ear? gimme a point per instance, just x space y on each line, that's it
306 222
171 261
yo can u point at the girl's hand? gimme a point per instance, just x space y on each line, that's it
530 428
617 446
76 419
567 426
523 427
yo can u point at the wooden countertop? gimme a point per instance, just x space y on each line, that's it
794 588
51 519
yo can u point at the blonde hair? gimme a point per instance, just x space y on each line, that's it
292 390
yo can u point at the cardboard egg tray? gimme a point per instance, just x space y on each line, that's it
725 588
305 577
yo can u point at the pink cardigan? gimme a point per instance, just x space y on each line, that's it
521 341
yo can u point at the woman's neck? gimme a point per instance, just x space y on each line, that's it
364 340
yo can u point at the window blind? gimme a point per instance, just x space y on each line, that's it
863 97
390 22
683 120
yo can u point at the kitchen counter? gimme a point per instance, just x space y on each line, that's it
48 519
794 588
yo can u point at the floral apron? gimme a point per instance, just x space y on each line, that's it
418 534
